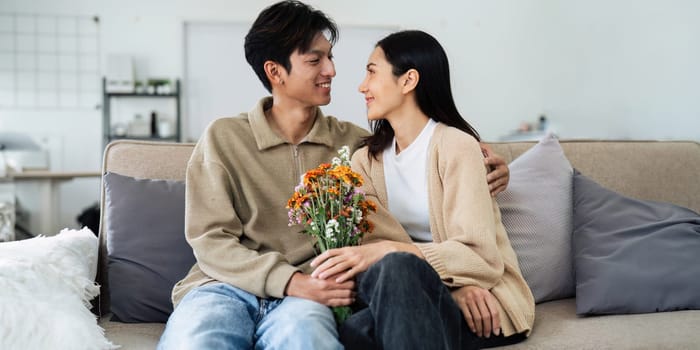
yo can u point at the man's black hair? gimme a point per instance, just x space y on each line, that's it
281 29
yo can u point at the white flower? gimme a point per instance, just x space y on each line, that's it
336 161
358 216
332 227
345 155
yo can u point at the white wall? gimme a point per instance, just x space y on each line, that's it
597 69
216 69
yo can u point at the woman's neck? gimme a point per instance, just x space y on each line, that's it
407 125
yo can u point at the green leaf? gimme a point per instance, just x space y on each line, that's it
341 313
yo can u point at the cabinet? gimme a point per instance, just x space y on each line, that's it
109 129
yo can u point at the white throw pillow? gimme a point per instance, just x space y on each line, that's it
536 211
46 284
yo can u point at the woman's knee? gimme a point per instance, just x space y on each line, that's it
402 265
398 273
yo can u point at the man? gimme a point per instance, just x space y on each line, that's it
251 285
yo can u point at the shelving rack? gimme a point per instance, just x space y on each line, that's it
108 134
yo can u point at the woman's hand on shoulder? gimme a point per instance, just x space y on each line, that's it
480 310
499 174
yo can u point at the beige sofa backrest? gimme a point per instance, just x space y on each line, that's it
667 171
139 159
663 171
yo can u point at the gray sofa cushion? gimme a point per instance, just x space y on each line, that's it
146 248
536 212
633 256
558 328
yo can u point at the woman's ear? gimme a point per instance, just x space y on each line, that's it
410 80
274 71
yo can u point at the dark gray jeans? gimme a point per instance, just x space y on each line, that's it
406 306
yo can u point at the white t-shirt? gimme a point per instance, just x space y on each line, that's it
407 185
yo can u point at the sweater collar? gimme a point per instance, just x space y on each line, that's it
266 138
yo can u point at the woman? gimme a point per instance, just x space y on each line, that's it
439 270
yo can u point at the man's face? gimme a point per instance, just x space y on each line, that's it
309 81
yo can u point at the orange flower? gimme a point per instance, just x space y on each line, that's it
366 206
328 194
328 204
292 201
346 212
312 176
345 173
300 201
371 205
366 226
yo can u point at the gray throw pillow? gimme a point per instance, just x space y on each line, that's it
536 210
633 256
146 247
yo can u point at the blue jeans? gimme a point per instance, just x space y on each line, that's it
220 316
408 307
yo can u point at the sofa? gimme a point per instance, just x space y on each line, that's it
665 171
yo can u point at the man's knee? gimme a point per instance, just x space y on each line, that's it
300 324
210 316
298 312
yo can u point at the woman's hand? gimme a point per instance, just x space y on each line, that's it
480 310
345 263
499 174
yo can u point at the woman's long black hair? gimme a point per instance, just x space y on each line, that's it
415 49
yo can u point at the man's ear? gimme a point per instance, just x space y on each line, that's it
409 80
274 72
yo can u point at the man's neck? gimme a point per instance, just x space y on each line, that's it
291 123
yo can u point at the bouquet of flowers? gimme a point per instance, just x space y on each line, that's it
332 208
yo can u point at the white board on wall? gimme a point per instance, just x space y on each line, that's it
218 81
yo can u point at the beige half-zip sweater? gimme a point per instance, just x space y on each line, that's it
238 181
470 245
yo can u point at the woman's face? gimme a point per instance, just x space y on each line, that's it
383 93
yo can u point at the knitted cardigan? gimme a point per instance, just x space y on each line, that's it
470 245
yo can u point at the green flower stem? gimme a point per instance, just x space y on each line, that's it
341 313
